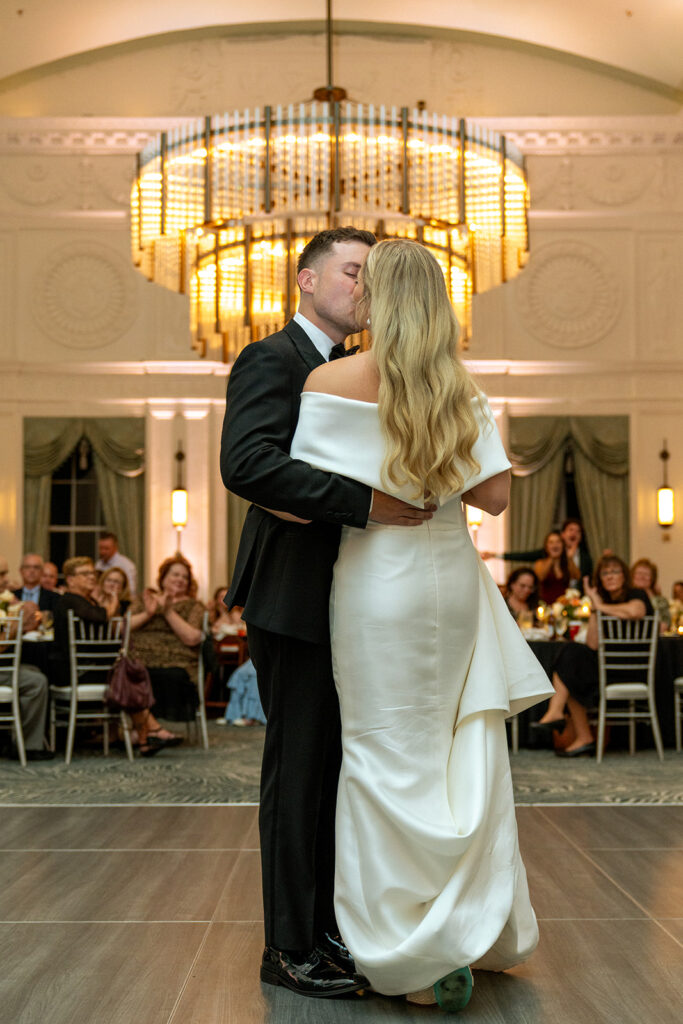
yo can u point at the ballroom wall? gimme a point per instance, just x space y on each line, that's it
590 327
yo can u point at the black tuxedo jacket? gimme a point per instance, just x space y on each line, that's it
283 571
47 599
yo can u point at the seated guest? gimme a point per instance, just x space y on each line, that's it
224 621
575 678
244 706
31 570
33 690
166 625
50 578
677 591
81 578
521 591
110 557
644 577
5 582
554 570
114 583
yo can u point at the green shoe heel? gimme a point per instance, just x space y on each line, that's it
453 992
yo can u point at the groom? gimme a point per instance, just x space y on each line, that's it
282 578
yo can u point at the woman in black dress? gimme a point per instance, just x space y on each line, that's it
575 678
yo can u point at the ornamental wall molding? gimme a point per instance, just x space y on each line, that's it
541 135
568 296
532 135
84 295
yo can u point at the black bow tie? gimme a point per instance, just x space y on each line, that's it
340 350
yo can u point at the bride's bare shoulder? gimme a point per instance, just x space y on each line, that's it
354 377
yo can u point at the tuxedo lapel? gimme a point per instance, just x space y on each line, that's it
303 345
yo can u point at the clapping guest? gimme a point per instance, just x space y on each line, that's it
554 570
521 591
166 624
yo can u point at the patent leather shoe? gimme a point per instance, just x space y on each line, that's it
333 945
310 973
586 750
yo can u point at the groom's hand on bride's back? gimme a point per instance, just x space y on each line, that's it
394 512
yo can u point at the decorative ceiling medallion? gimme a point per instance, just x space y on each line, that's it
568 297
85 296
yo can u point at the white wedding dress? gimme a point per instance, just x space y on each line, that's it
428 663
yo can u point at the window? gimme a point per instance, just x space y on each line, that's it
76 517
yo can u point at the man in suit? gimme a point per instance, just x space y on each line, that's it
282 578
31 570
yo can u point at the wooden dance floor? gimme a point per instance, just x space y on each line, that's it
151 915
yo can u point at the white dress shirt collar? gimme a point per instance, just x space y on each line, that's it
321 341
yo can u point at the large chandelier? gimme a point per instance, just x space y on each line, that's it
222 207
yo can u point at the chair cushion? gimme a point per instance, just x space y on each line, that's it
626 691
88 691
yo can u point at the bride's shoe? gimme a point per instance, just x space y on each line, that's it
452 993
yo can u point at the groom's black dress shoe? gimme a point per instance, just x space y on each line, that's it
333 945
311 973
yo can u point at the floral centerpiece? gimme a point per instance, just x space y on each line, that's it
572 607
676 616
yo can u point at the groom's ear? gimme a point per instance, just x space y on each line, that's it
306 279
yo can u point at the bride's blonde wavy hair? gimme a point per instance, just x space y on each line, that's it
425 393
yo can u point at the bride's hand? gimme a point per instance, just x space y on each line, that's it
287 516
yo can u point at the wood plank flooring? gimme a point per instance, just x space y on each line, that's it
152 915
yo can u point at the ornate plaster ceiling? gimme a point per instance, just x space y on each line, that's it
641 38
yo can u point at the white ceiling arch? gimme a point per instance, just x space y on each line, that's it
642 38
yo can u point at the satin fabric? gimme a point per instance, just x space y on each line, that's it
428 662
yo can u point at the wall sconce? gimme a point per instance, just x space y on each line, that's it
475 517
665 496
179 496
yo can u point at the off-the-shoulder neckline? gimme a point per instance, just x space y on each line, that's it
355 401
341 398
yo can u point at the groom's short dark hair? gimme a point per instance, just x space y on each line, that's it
324 240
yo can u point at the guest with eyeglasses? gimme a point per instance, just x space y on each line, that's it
575 678
81 580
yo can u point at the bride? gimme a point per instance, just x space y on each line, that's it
427 660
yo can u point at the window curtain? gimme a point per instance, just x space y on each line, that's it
537 451
118 456
600 448
601 476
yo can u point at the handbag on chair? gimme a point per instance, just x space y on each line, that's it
128 685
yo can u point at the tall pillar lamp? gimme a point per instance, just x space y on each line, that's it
179 496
